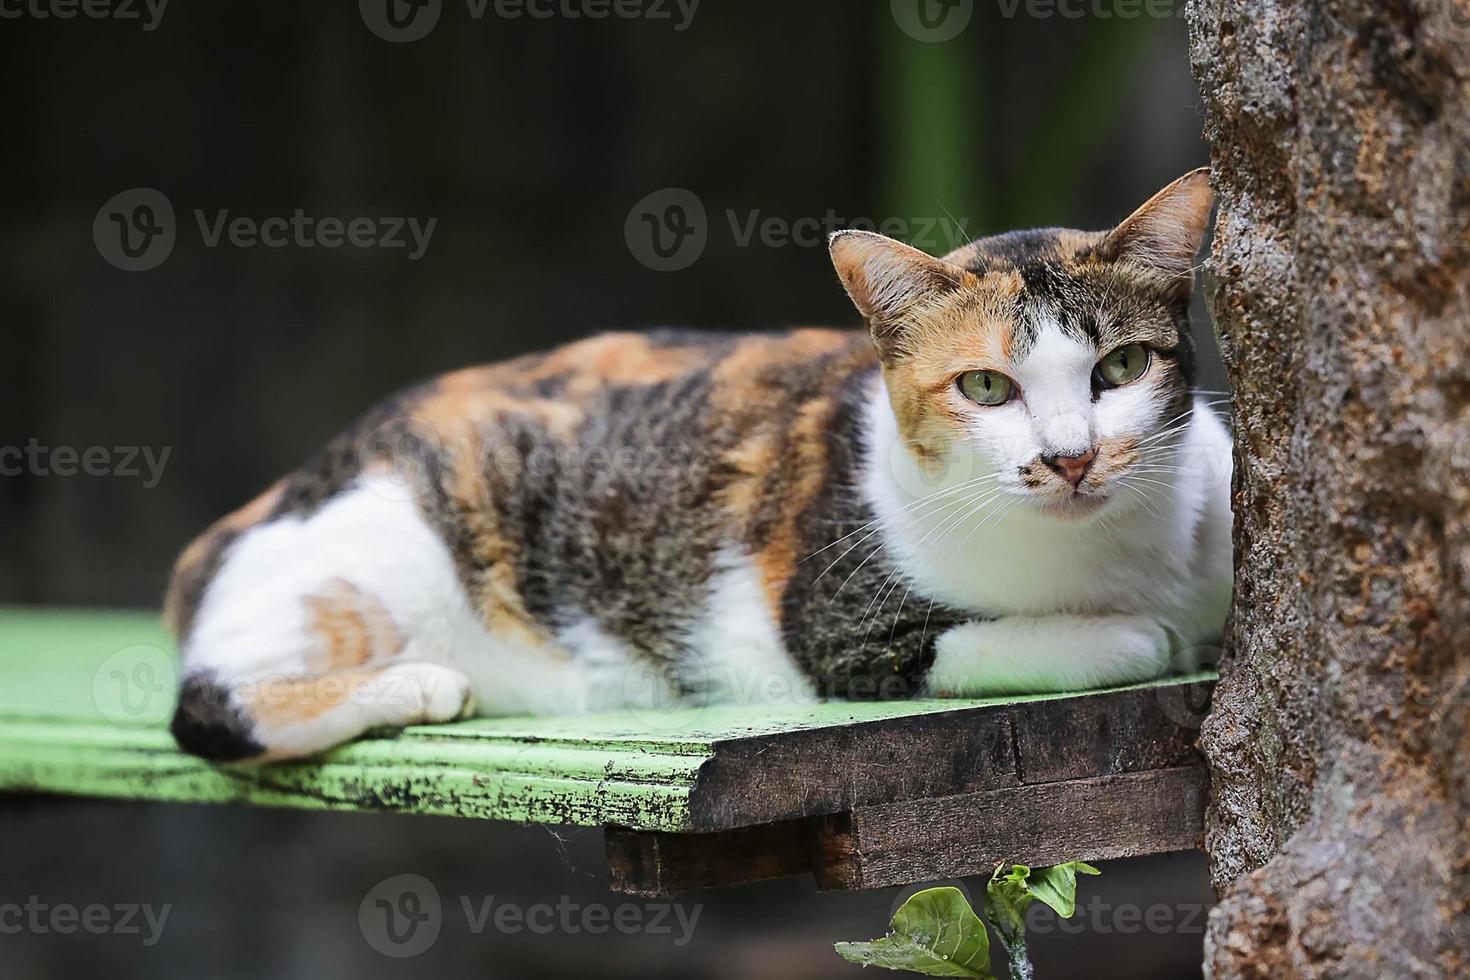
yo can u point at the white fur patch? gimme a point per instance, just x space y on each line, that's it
736 649
600 672
253 617
1021 654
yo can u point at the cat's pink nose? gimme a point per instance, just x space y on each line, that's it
1072 468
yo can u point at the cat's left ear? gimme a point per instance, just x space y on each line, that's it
1166 233
889 282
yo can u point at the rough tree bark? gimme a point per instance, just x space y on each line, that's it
1339 828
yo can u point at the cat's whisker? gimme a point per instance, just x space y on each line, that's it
897 616
900 611
924 632
945 523
938 494
879 611
940 528
1158 436
992 521
1138 495
1108 525
1178 422
1143 498
876 522
879 547
1144 479
954 221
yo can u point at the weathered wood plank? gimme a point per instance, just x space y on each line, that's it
86 695
972 747
1129 731
1125 815
654 864
818 771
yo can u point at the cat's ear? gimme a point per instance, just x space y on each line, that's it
888 280
1166 233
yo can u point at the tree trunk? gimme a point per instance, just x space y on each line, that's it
1339 826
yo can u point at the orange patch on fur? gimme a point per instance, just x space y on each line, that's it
976 332
465 413
462 410
495 591
615 358
465 416
293 700
777 560
777 473
352 628
743 378
752 459
1114 455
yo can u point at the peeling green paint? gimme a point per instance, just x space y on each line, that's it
85 695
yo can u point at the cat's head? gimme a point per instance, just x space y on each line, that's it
1058 357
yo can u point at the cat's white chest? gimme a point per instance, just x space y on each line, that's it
1024 564
993 554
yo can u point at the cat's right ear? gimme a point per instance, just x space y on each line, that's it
889 281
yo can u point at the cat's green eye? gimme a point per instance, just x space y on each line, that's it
987 387
1122 366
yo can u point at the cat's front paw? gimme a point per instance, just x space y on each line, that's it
1038 654
420 693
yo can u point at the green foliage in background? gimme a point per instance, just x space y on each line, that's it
937 933
939 131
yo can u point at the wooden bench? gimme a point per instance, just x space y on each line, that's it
860 795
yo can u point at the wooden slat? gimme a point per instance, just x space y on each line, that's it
1135 730
990 745
1127 815
656 865
681 770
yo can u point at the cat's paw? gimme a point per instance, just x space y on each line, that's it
420 694
1020 655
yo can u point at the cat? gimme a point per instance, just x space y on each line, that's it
1005 484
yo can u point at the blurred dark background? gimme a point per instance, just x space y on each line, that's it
537 144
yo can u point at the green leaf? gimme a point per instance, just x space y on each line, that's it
935 933
1008 898
1057 886
1011 891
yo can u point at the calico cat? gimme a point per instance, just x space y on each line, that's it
1005 484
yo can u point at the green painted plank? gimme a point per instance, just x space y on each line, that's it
405 789
73 663
86 695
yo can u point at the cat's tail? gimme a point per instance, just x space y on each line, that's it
269 717
208 723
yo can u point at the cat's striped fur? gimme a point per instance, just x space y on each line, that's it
646 519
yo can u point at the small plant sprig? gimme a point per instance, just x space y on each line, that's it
937 933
